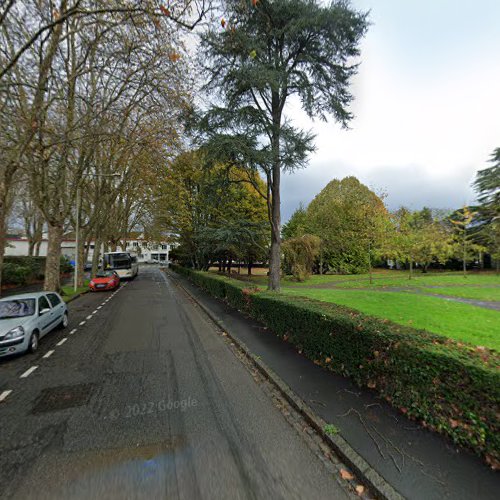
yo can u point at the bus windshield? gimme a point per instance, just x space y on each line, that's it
117 261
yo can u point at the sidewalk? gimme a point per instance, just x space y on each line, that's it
417 463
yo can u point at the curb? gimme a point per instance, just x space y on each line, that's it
365 472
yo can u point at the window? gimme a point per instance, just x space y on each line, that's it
144 244
54 299
17 308
164 247
43 303
135 244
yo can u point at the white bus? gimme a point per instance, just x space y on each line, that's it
124 263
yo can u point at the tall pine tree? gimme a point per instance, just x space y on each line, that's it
265 52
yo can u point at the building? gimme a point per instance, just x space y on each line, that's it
147 251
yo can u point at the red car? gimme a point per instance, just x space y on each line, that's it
104 280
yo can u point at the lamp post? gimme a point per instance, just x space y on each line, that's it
77 224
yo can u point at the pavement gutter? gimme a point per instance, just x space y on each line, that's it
365 472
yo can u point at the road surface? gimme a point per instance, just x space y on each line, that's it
141 397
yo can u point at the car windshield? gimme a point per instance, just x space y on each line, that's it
17 308
105 274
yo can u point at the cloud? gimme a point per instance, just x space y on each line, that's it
413 186
426 109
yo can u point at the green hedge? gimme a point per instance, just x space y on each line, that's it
450 387
20 270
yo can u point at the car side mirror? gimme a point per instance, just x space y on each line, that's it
44 311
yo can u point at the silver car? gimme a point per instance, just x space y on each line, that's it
26 318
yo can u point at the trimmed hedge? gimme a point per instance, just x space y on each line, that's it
20 270
448 386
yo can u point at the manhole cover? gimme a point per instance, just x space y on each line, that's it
63 397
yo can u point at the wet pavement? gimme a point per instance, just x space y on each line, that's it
418 463
141 397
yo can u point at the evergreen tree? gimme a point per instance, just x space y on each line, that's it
266 52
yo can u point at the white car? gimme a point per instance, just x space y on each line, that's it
26 318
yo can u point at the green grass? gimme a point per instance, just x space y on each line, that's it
67 292
462 322
385 278
399 280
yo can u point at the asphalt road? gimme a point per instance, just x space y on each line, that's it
140 397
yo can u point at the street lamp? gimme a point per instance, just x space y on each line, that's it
77 225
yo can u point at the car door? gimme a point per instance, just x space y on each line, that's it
57 306
46 320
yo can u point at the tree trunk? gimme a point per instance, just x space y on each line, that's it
370 263
81 260
53 262
3 216
464 260
321 261
411 269
229 266
37 248
275 254
31 248
95 257
249 268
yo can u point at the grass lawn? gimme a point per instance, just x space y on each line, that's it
463 322
385 278
68 292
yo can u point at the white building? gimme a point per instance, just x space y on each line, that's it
147 251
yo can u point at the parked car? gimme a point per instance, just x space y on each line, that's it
105 280
26 318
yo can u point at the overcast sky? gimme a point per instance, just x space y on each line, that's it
427 108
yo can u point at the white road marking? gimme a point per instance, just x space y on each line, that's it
95 312
72 331
89 316
4 395
82 323
61 342
28 372
48 354
99 308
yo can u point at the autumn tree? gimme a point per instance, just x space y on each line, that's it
350 220
465 248
300 254
265 53
214 212
433 241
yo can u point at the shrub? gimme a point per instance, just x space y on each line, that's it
450 387
13 274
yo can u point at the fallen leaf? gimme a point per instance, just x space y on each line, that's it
360 489
328 360
223 22
165 11
346 475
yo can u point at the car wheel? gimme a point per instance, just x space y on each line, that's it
33 346
64 322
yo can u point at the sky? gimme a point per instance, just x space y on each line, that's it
427 107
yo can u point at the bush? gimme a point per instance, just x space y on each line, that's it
13 274
450 387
